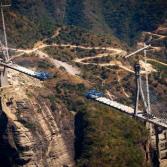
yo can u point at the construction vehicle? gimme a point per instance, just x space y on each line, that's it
93 94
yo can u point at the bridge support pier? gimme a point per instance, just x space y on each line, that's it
159 147
3 78
157 143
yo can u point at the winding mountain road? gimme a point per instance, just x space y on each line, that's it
108 52
156 61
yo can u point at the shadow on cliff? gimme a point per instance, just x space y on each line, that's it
79 134
9 156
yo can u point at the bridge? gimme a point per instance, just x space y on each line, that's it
144 115
130 111
153 123
38 75
4 62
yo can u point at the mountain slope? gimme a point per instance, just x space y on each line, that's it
119 19
84 39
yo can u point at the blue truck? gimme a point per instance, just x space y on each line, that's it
43 75
93 94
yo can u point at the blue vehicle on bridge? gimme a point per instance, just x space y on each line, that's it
93 94
43 75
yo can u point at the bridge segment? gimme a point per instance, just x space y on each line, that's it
130 111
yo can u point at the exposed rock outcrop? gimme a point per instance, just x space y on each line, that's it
41 135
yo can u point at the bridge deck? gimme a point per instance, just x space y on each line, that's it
130 111
38 75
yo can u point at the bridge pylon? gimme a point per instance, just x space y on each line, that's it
139 91
3 70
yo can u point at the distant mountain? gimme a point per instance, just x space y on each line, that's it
125 19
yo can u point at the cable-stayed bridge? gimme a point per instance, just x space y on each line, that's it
158 138
129 110
144 115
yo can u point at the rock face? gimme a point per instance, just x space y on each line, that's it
38 134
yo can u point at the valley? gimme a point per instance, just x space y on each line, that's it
84 45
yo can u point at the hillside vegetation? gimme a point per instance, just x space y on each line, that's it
115 18
102 141
104 138
127 18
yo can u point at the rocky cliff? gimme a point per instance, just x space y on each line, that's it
37 133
